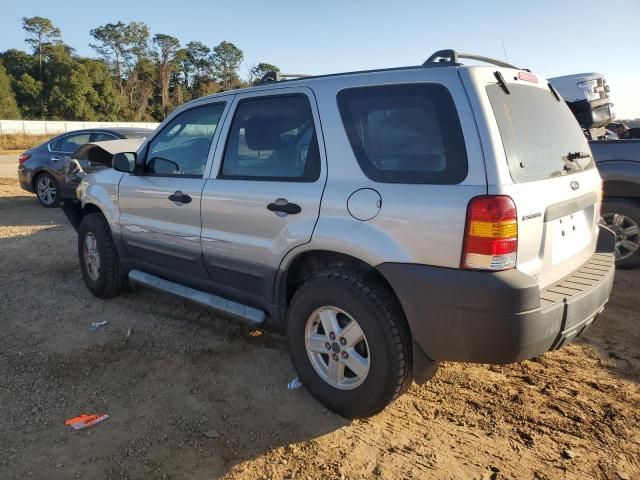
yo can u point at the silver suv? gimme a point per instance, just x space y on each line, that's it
384 220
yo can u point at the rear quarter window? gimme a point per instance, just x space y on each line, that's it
407 133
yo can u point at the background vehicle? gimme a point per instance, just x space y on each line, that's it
618 160
95 156
436 213
587 95
41 169
619 164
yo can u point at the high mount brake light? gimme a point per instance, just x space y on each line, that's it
491 234
527 77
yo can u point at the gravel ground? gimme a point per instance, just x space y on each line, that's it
9 166
194 395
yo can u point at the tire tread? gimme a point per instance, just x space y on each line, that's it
114 278
394 325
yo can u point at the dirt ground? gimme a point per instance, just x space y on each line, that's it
194 395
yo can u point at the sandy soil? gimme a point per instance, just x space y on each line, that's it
9 165
194 395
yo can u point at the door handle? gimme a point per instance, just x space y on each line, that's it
55 159
180 197
282 205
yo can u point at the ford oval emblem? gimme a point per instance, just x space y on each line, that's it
575 185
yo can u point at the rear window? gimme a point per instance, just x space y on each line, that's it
405 133
137 134
538 133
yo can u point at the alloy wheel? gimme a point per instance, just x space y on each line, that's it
337 348
91 256
627 234
46 190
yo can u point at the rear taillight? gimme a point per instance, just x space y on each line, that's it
491 234
23 158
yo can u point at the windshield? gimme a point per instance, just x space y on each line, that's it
541 137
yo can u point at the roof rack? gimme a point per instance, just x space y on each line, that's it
450 57
274 76
441 58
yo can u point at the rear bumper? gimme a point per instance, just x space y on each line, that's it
25 179
502 317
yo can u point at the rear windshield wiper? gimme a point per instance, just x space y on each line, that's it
501 82
577 155
570 161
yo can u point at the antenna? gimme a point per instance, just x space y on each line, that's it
504 49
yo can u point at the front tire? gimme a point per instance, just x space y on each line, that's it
349 343
101 269
47 190
623 217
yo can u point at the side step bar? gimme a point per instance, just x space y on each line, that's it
253 315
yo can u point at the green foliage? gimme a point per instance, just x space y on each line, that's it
136 78
258 71
40 31
40 34
18 62
199 57
28 92
8 106
165 50
226 61
122 45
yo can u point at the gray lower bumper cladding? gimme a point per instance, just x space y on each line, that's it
501 317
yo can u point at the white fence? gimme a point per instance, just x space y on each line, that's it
45 127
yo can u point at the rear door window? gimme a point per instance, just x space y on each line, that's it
406 133
70 143
540 135
272 139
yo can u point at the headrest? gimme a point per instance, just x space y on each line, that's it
264 131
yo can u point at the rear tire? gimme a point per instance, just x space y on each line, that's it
47 190
101 269
623 217
382 360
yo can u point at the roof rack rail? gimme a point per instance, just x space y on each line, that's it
450 57
274 76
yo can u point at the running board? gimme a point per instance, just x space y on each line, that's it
253 315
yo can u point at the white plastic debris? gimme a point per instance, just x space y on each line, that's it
295 383
97 325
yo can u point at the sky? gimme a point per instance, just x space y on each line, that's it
551 38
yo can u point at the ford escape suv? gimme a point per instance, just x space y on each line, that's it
384 220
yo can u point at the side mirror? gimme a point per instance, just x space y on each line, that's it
124 162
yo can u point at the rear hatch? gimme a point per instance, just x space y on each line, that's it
539 156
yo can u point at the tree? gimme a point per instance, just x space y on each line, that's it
200 57
17 62
121 44
41 33
8 105
226 59
28 92
184 69
258 71
166 48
